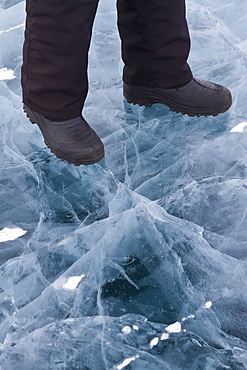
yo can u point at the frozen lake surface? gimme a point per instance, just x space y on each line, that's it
137 262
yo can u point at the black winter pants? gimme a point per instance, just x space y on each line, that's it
155 48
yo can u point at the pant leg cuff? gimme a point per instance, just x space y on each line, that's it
53 114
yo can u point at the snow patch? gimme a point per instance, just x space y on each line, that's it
126 362
174 328
239 128
73 282
11 234
154 342
126 330
7 74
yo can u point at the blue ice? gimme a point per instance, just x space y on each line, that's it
138 262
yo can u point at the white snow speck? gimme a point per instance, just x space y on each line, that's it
208 304
154 342
126 362
73 282
239 128
174 328
126 330
164 336
7 74
11 234
188 317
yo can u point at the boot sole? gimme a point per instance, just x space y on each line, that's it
60 156
149 98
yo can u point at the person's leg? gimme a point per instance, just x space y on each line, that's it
155 48
54 76
55 56
155 42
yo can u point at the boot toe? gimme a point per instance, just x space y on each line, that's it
212 98
71 140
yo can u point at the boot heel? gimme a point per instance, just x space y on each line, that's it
29 114
132 95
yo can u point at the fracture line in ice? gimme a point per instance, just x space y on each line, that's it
12 28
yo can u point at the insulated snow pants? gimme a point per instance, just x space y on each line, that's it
155 47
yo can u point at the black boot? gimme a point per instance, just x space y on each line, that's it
72 140
197 98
